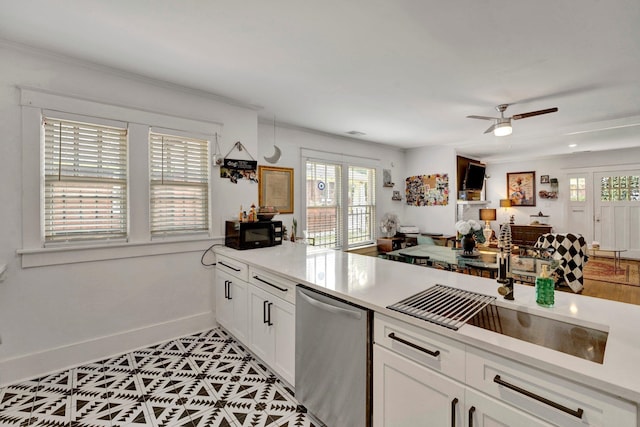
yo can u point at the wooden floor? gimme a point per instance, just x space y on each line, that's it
612 291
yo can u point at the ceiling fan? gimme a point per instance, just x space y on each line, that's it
502 124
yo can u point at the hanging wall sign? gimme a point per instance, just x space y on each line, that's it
236 169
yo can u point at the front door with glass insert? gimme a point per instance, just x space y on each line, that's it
617 211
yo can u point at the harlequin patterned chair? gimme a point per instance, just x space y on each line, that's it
570 250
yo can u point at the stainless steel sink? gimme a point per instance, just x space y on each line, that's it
566 337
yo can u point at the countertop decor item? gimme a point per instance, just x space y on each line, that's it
545 288
389 225
468 244
471 231
487 215
266 213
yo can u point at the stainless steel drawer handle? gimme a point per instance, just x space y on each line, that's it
271 284
575 412
228 266
412 345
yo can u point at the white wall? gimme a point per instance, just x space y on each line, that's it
556 167
429 161
292 140
55 316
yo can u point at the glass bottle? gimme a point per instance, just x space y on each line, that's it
545 288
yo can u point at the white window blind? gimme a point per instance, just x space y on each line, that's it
179 184
85 195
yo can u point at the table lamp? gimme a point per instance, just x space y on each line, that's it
487 215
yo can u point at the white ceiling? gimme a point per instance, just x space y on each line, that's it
406 73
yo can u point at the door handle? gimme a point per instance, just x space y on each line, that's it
472 410
226 289
264 311
454 402
229 289
269 323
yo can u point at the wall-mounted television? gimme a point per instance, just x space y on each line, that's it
474 177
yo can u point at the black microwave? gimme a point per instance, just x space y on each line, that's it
249 235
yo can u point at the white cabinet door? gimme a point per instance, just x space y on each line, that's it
224 307
484 411
231 304
261 340
406 394
272 332
284 323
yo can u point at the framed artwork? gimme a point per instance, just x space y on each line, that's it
386 178
276 188
544 179
521 188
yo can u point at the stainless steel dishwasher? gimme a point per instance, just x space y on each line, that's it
333 359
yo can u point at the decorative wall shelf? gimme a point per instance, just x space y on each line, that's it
473 202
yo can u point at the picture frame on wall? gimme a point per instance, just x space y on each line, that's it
544 179
275 188
521 188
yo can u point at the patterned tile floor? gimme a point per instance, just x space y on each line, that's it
206 379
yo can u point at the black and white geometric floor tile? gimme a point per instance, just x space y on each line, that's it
206 379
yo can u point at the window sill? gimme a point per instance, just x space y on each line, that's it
41 257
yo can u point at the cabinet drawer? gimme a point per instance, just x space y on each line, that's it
274 284
235 268
426 348
556 400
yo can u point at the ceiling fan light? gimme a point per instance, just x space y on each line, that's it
502 129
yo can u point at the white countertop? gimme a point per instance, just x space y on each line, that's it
375 283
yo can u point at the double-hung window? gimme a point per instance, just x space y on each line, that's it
85 183
362 205
179 184
340 208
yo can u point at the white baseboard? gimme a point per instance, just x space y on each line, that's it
56 359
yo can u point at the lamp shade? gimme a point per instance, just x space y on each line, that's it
505 203
488 214
502 128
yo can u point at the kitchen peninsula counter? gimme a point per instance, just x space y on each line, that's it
376 283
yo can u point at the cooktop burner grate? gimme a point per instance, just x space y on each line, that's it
443 305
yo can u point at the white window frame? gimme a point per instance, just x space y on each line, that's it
344 160
33 253
185 181
65 238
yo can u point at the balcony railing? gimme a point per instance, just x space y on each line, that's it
322 225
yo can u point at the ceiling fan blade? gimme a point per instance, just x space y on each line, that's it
482 117
534 113
491 128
